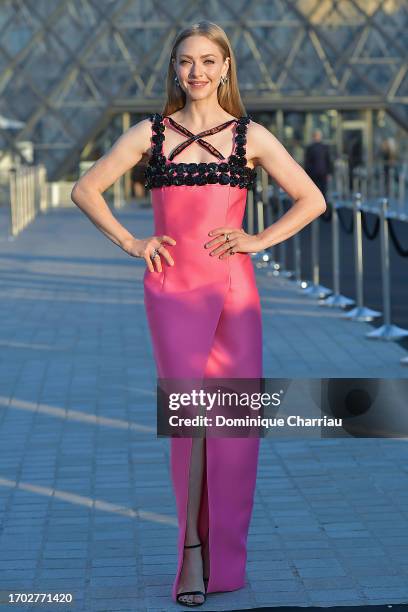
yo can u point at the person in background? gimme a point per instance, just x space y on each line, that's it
354 152
318 163
389 158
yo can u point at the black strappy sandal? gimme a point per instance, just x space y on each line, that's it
183 593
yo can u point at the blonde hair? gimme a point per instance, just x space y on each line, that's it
228 94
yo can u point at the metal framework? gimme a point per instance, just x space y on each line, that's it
67 65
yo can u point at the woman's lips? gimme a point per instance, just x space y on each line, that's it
197 84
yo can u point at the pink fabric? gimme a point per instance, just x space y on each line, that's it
204 317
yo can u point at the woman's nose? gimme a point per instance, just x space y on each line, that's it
195 74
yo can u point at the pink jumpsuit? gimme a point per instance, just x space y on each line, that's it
204 317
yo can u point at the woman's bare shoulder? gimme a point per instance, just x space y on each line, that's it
139 135
257 129
261 142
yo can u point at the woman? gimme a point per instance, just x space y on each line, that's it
201 299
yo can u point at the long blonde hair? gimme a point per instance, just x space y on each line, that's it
228 94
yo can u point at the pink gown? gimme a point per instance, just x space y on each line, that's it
204 317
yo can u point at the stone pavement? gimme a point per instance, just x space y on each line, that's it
86 505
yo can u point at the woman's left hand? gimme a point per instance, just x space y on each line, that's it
238 241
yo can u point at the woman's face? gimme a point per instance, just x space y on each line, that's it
199 66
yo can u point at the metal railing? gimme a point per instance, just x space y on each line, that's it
28 196
381 180
25 192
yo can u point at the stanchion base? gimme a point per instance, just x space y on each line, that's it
404 361
263 256
317 291
387 332
274 267
362 314
298 283
272 272
337 301
287 273
263 259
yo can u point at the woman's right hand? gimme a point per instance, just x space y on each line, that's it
144 247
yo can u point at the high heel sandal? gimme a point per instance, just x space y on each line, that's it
183 593
205 580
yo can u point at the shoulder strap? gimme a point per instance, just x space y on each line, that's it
158 135
240 141
157 122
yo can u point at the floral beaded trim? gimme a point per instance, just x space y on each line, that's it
234 171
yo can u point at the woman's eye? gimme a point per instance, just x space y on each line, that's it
211 61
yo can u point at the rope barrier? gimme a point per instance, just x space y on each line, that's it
359 226
370 235
347 230
327 215
400 250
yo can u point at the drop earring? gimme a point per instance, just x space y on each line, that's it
176 80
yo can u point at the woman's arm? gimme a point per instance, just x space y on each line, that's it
87 191
265 150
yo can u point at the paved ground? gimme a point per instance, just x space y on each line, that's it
86 505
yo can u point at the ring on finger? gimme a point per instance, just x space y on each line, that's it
154 253
227 237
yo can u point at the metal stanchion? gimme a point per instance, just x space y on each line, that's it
262 194
360 312
36 190
297 258
355 181
283 258
32 192
393 182
273 197
364 182
260 198
401 188
338 176
43 205
25 196
13 201
314 289
381 181
346 179
336 299
20 198
27 184
34 172
19 201
387 331
341 178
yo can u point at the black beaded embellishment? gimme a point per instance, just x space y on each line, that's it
234 171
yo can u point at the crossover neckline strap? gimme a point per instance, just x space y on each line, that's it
197 137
